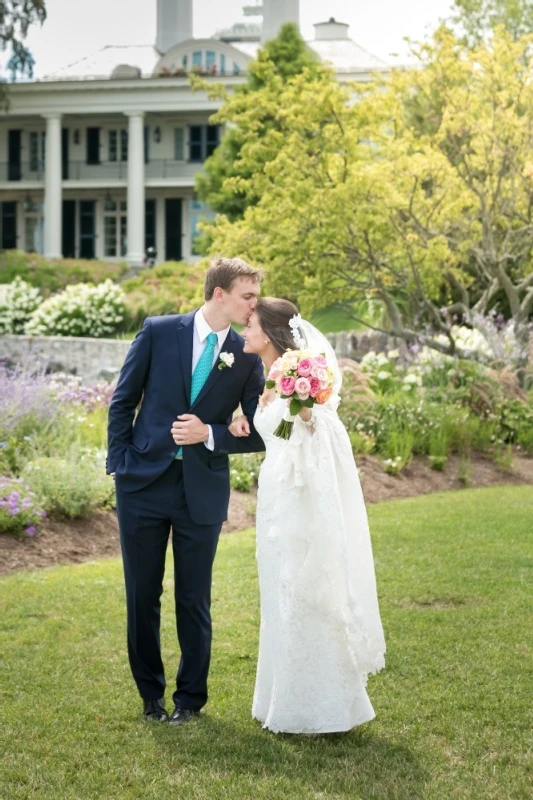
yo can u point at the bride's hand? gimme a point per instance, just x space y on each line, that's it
240 426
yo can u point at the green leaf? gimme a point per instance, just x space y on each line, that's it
295 406
270 384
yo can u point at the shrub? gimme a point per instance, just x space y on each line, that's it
244 470
74 487
18 301
52 276
81 310
171 288
20 510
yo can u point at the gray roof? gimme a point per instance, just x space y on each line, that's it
343 54
102 63
346 56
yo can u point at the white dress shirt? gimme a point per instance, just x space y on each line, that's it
202 329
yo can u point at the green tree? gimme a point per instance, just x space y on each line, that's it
16 16
477 18
219 185
360 200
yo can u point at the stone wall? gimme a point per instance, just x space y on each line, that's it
94 358
89 358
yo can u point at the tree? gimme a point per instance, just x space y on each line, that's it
477 18
16 16
361 200
219 184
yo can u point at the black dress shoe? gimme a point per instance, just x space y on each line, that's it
182 715
155 710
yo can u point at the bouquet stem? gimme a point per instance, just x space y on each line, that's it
284 429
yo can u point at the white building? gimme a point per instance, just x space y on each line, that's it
98 159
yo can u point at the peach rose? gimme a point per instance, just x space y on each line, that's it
324 395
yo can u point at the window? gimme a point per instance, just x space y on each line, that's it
211 139
149 223
184 61
197 58
115 228
236 68
198 213
93 146
124 144
33 227
115 151
210 59
203 139
37 150
112 145
223 64
179 144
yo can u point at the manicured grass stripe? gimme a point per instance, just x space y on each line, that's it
453 705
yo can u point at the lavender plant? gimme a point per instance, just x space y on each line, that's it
20 509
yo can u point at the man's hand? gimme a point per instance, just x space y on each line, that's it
240 426
189 430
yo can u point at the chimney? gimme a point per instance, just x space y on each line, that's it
331 29
276 13
174 23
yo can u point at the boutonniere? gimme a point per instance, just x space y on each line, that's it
226 360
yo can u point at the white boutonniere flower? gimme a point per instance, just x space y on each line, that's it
226 360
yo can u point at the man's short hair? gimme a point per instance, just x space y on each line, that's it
223 272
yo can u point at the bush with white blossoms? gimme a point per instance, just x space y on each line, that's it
18 301
80 310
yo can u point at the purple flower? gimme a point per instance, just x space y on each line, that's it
31 530
13 510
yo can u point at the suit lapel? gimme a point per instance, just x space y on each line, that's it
185 339
230 346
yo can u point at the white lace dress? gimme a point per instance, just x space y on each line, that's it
321 633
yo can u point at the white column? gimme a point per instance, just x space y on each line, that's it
53 211
136 190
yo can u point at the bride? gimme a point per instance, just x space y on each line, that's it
321 633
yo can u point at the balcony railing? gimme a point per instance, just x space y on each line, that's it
105 170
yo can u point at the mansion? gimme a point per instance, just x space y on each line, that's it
98 160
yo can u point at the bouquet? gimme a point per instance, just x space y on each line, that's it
303 379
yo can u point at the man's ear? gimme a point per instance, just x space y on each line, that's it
218 294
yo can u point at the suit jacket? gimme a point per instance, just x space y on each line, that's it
157 371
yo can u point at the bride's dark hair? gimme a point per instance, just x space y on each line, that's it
274 314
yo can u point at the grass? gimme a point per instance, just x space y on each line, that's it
454 577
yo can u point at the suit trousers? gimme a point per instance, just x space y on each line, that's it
145 520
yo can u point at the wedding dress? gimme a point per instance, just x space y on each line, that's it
320 632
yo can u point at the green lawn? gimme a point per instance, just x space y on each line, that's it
454 576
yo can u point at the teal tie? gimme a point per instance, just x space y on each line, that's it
201 372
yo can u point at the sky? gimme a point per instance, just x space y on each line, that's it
75 28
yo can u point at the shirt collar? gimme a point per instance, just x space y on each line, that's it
203 329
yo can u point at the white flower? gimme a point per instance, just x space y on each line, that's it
226 359
383 375
393 354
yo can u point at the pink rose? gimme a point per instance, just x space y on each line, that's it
302 388
320 361
287 385
275 370
315 386
304 367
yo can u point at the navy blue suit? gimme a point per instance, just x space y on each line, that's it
156 492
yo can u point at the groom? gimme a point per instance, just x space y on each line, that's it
180 371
